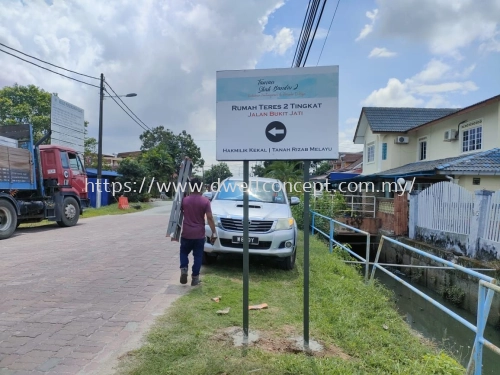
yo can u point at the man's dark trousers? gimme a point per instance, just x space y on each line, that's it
197 247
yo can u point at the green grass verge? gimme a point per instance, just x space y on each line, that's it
357 324
112 209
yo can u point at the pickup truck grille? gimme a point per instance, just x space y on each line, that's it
254 226
263 245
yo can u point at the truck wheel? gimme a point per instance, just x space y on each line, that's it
208 258
289 262
70 213
8 219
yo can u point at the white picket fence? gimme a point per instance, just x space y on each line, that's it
446 207
492 230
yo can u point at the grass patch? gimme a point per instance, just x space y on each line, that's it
112 209
357 324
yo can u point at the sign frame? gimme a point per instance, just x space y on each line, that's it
67 123
301 103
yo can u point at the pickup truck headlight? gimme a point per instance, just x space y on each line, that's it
284 224
216 221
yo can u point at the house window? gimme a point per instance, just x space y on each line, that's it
476 181
370 152
472 135
384 151
422 149
472 139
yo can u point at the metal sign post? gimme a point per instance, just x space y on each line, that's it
246 186
306 255
277 114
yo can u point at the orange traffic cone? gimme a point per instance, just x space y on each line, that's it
123 203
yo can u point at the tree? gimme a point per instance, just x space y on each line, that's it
285 171
259 170
322 168
217 173
132 175
158 162
26 105
178 146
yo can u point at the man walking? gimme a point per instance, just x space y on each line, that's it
195 208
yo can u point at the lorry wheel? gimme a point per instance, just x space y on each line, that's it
8 220
70 213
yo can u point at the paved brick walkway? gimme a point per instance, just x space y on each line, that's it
72 300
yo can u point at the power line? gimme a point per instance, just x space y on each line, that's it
126 105
45 62
138 123
307 31
338 2
301 31
308 39
74 79
316 29
305 35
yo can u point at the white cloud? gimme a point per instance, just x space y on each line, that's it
427 88
447 87
346 135
165 51
444 26
368 28
433 71
395 94
281 42
492 45
381 52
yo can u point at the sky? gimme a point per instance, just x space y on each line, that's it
405 53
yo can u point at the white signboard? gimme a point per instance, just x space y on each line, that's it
277 114
67 124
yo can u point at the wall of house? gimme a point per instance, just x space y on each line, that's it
437 148
486 183
397 154
372 167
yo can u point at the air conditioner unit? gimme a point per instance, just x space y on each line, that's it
450 135
402 140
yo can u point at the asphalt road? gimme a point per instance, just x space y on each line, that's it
72 300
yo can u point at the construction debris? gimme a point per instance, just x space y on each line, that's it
258 307
223 312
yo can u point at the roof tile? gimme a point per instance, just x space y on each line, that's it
400 120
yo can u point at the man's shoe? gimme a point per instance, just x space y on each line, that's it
195 280
184 275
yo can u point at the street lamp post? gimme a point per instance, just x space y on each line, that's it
99 146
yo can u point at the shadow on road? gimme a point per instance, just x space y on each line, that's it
40 229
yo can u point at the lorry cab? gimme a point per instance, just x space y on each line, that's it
63 167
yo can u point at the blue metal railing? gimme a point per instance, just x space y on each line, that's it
487 287
331 239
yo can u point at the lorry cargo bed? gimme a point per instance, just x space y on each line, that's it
16 164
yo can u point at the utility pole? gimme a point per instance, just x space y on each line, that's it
99 147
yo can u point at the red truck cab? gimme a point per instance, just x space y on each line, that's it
63 165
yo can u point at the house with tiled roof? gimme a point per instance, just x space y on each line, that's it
432 144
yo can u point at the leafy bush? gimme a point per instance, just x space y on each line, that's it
329 205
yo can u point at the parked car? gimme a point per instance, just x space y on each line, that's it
272 229
208 194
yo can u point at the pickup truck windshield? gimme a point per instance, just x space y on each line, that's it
260 191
